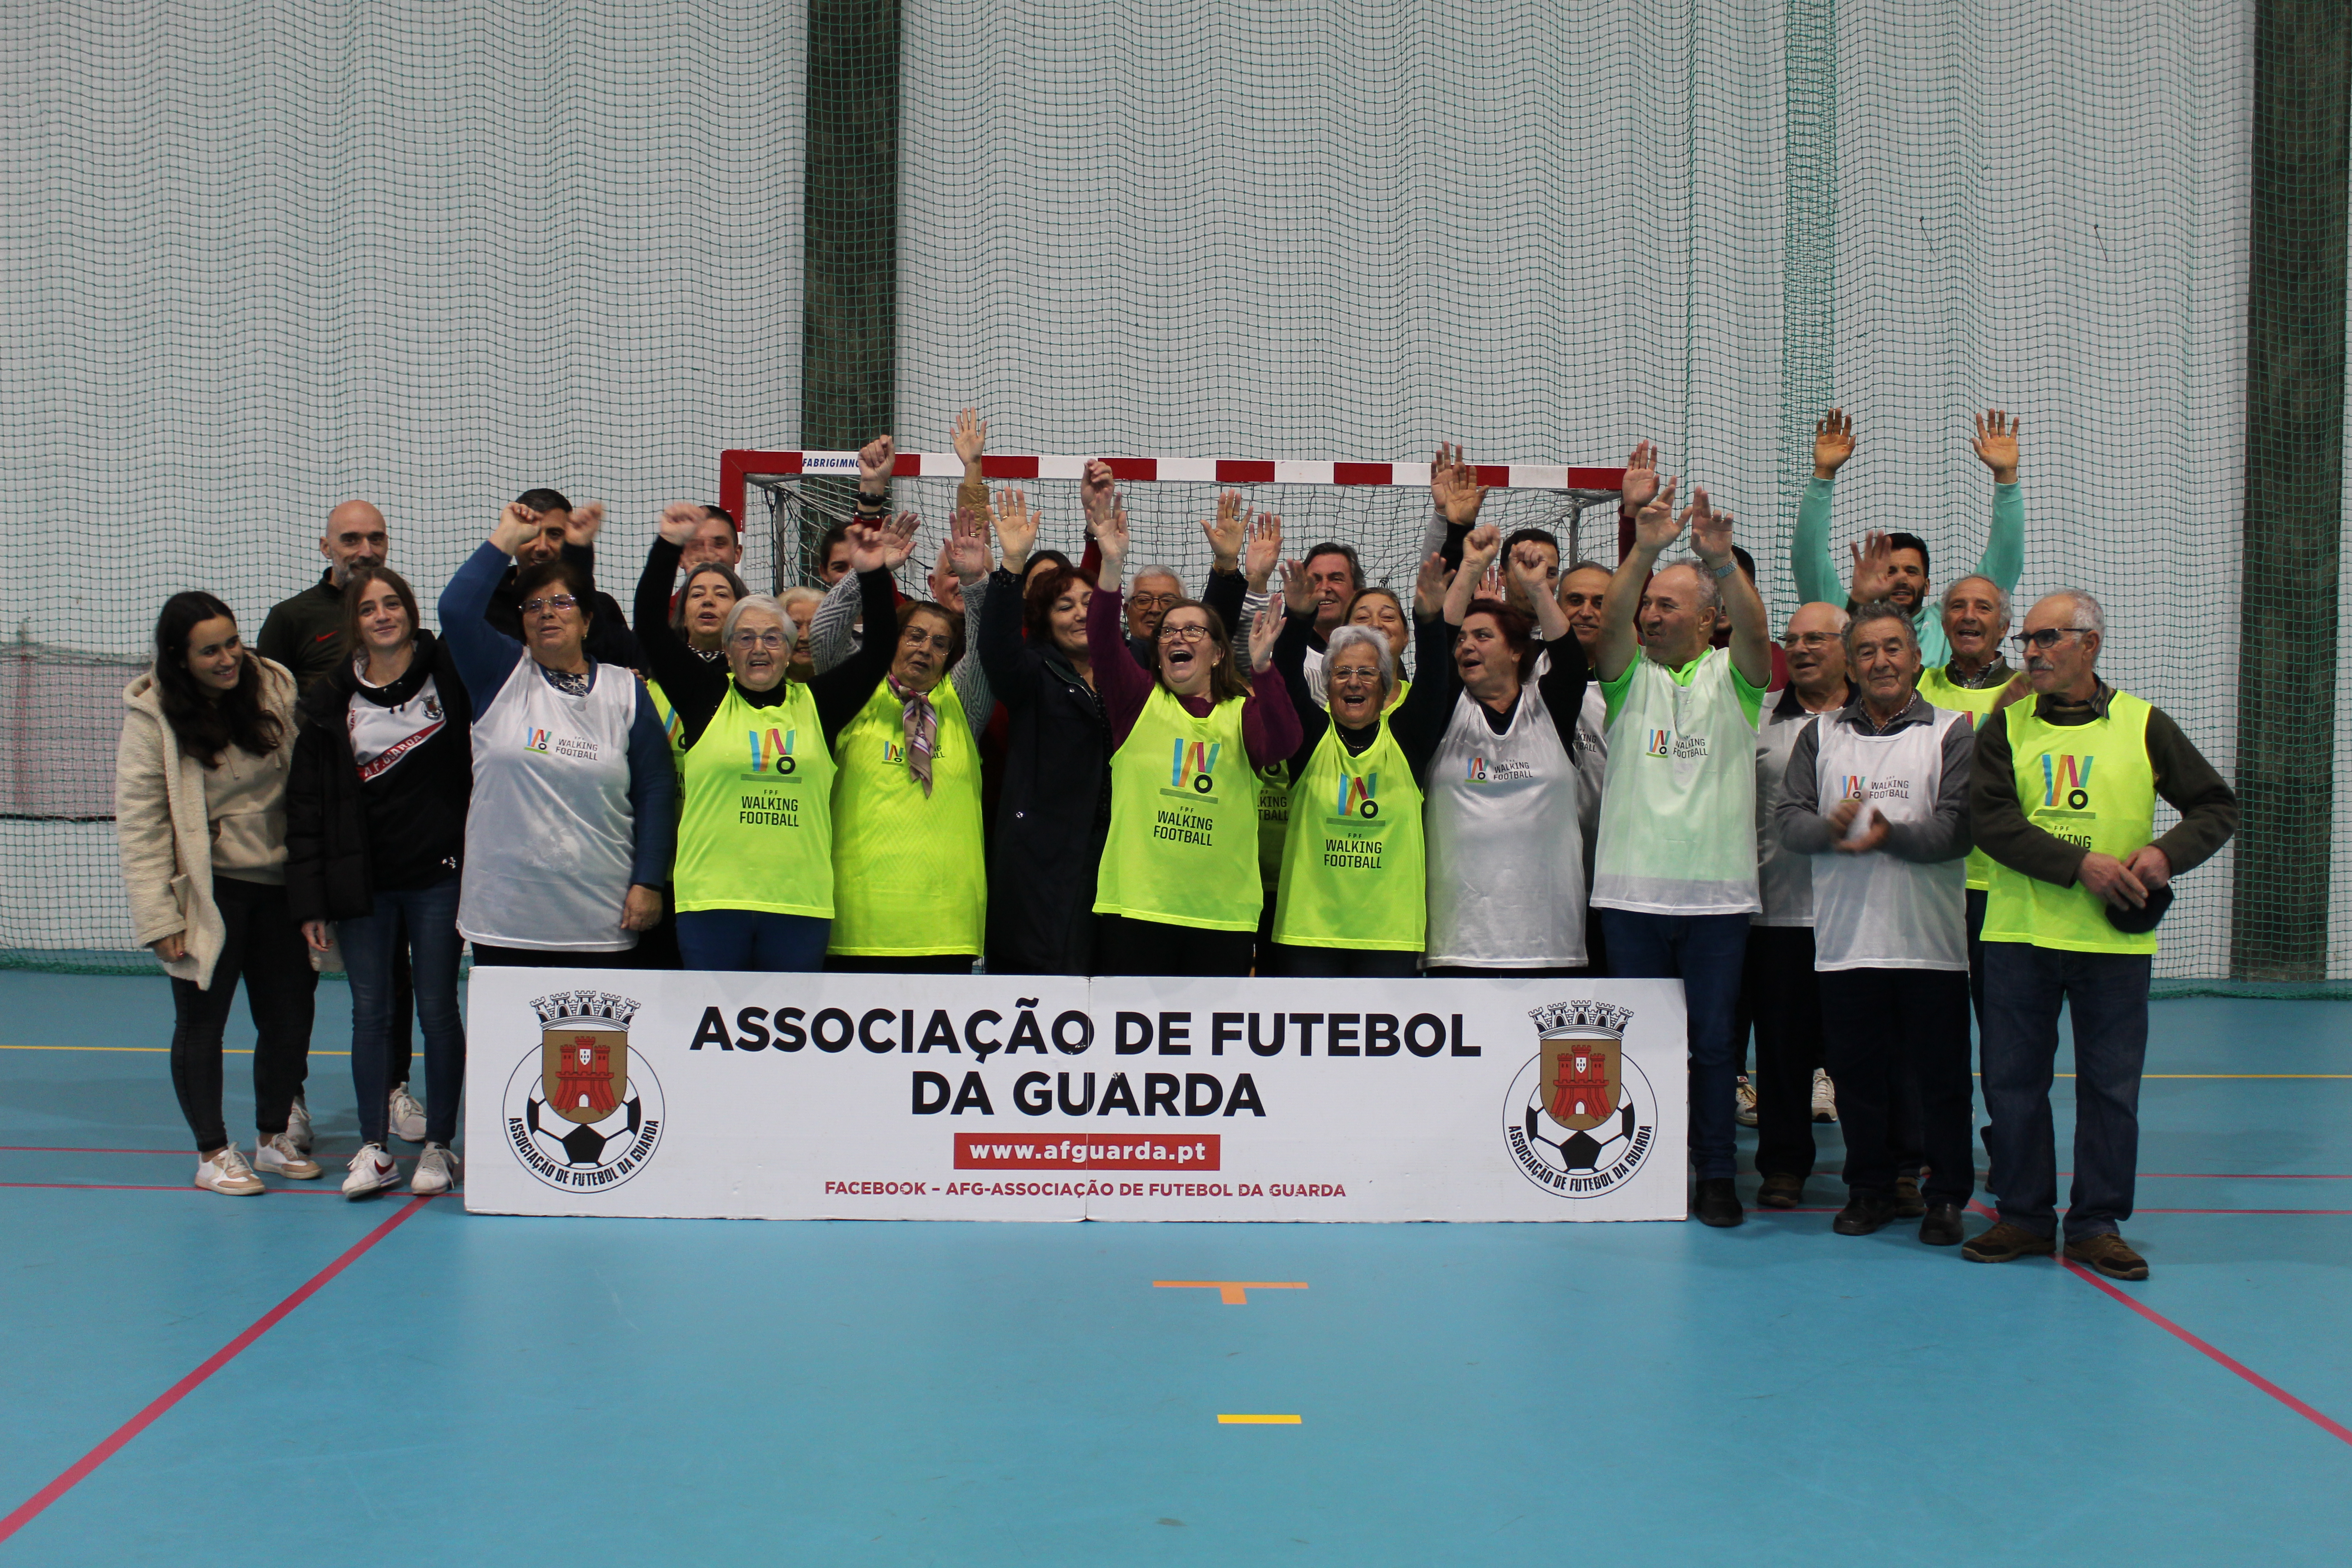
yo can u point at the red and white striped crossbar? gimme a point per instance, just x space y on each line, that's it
737 468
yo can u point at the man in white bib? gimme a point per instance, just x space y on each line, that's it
1877 794
1675 879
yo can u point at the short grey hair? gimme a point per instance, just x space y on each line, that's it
1837 613
1348 636
799 593
1136 578
1999 593
2088 615
1879 610
678 610
1710 591
767 603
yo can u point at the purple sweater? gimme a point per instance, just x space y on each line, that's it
1270 729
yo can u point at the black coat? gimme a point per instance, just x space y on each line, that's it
1055 809
330 858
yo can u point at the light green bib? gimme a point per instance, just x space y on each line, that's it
673 728
2090 785
910 870
1354 873
1975 701
1183 847
1678 791
757 829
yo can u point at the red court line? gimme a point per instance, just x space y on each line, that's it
2325 1423
31 1508
2241 1211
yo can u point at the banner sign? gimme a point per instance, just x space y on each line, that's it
660 1093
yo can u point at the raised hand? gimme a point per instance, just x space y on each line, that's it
1298 593
1264 629
1264 552
1098 495
1454 486
1016 529
1833 443
517 526
1640 485
898 540
1479 548
1873 568
1655 525
1429 588
680 520
969 436
1227 531
1710 528
874 461
966 552
580 524
1996 444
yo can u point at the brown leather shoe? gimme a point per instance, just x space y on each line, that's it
2006 1243
2110 1254
1908 1204
1780 1193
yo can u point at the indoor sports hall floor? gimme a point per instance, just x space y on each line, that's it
300 1379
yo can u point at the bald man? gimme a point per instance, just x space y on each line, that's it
305 633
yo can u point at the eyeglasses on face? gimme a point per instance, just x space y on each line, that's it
2047 637
1809 639
1183 634
772 639
556 601
1160 600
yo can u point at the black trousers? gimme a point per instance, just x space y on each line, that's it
1345 963
1131 946
1784 997
265 948
910 963
1882 1025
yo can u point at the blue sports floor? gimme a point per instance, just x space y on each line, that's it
295 1378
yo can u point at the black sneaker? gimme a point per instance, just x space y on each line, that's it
1716 1203
1941 1227
1866 1209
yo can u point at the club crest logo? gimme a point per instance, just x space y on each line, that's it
581 1112
1580 1118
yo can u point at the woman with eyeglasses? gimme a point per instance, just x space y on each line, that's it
1179 887
692 618
754 883
910 856
574 802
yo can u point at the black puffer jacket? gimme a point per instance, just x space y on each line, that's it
346 838
1055 809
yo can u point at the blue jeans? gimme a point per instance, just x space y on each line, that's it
753 941
424 921
2106 995
1705 953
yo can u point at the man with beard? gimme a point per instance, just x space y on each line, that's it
2062 797
305 633
1893 566
1783 995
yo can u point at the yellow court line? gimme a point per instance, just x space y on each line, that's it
1257 1420
157 1050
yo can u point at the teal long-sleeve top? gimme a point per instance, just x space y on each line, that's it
1818 578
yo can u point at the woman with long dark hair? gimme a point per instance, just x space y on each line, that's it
375 840
200 822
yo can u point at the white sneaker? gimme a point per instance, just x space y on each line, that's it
408 1116
1824 1095
298 1124
227 1172
373 1171
282 1155
437 1168
1743 1102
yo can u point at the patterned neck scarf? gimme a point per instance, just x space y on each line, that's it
921 722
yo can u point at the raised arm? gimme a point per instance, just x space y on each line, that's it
485 656
1811 558
695 686
1270 730
1290 645
1751 641
971 438
1454 497
2003 560
1654 528
1562 684
841 690
967 558
1419 721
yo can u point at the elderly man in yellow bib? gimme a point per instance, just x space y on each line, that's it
2062 799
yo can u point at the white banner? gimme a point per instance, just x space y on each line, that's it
645 1092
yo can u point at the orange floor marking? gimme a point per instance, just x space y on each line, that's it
1257 1421
1230 1290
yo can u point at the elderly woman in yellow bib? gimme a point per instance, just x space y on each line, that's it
910 857
753 879
1179 887
1351 901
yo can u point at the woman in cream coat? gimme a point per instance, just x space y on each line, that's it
200 820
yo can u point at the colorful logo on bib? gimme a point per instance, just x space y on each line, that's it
894 752
1656 743
582 1111
1356 796
1194 766
1580 1118
2068 777
536 740
772 753
1854 786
